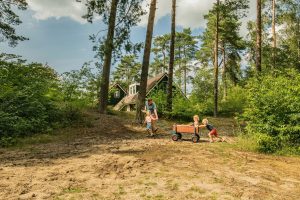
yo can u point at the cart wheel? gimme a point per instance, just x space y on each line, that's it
179 136
195 138
175 137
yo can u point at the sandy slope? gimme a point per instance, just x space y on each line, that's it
114 160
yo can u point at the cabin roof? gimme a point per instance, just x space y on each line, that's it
152 82
118 85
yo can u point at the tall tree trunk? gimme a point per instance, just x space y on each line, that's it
172 56
185 71
179 62
298 40
274 45
216 64
145 65
107 58
224 74
164 62
185 79
164 57
258 36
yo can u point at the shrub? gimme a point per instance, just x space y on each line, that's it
268 144
25 100
273 109
183 109
235 101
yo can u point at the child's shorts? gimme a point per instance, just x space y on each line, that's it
149 126
213 132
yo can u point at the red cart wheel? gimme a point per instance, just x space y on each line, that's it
195 139
175 137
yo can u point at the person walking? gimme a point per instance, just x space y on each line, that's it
150 106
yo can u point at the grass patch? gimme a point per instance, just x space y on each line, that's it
73 190
246 143
159 197
120 191
59 133
151 184
25 142
214 196
197 189
154 197
218 180
172 186
20 142
289 151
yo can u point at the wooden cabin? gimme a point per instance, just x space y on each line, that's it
128 102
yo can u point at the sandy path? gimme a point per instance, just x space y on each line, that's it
120 163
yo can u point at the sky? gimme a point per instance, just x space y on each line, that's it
59 36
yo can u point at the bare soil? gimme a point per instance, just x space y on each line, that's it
113 159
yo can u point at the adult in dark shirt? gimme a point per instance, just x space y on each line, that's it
151 107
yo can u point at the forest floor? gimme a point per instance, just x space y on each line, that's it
112 159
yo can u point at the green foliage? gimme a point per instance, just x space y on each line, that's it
79 87
185 51
161 49
183 109
26 98
128 15
273 109
9 19
128 71
234 102
159 97
34 99
287 36
202 94
267 143
7 141
231 42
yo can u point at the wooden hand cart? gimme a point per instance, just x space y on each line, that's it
178 130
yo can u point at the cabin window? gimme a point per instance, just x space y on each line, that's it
117 94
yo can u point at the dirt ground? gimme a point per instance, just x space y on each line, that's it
112 159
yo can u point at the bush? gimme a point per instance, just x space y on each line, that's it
26 103
268 144
235 101
34 99
273 110
183 109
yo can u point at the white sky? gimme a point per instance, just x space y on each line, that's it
189 12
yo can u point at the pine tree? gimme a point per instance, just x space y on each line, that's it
127 71
120 16
161 49
146 62
231 44
258 35
185 53
274 45
157 67
108 57
172 57
216 62
8 19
